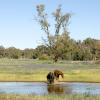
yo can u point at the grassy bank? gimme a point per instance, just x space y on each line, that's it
35 70
48 97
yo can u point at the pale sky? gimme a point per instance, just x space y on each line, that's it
18 29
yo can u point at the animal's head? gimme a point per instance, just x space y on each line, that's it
58 72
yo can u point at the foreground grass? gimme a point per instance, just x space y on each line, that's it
35 70
48 97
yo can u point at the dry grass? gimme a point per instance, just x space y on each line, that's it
48 97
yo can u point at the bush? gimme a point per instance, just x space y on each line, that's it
44 57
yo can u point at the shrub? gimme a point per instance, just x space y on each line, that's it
44 57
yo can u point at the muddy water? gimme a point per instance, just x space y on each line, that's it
41 88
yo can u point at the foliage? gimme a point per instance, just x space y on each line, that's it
59 45
68 49
55 43
44 57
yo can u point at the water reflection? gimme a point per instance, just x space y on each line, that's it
55 89
58 89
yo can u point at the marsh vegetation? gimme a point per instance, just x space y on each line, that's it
36 70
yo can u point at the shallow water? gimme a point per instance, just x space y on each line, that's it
41 88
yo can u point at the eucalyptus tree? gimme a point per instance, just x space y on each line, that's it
54 36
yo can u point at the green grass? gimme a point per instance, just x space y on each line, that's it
36 70
48 97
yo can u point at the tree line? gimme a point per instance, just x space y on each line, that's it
14 53
68 49
88 49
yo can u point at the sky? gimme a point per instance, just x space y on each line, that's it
19 29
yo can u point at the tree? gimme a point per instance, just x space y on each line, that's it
54 41
94 46
2 52
12 52
42 52
28 53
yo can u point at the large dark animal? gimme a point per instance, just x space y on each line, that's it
58 73
50 77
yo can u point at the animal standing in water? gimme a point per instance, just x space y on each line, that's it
51 76
58 73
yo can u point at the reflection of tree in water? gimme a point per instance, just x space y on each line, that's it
58 89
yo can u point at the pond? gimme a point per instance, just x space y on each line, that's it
42 88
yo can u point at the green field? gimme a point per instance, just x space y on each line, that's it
35 70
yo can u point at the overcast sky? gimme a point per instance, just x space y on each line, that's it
18 29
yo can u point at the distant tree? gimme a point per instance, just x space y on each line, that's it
54 41
42 52
13 53
2 52
94 46
28 53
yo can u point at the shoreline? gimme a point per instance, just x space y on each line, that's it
58 82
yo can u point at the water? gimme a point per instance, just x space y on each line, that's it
41 88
